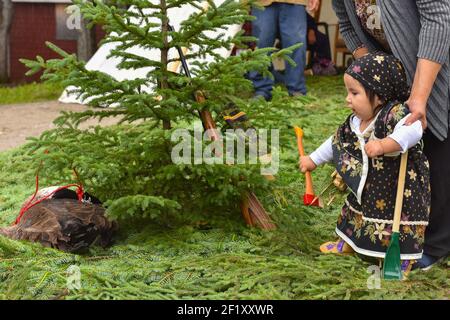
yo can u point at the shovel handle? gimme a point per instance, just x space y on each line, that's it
400 191
309 189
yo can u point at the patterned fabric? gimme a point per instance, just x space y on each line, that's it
348 158
402 25
266 3
369 14
383 74
365 222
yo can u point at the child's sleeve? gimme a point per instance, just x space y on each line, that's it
324 153
407 136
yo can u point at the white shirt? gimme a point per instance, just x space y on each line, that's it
405 136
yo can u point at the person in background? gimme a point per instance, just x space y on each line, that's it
319 47
288 19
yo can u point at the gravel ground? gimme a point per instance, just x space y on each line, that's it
19 121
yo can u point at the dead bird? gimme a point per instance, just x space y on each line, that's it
65 223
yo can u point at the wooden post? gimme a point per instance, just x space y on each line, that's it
6 14
86 43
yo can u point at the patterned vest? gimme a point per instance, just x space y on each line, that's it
373 182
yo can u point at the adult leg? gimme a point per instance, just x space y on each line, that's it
437 235
323 46
293 29
264 28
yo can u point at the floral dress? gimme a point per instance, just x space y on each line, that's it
366 219
369 15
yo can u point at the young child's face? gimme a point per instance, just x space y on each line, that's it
357 99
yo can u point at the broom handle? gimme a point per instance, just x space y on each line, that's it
206 117
400 191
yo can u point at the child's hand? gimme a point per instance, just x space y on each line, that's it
306 164
374 148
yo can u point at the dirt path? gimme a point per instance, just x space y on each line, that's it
19 121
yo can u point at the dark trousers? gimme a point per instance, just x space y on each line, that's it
437 235
321 49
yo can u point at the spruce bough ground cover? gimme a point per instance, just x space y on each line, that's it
219 258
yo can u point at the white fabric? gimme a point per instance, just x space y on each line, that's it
405 136
370 253
324 153
102 61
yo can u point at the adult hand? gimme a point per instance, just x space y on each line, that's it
424 78
418 112
313 5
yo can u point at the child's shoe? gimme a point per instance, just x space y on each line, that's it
336 247
407 266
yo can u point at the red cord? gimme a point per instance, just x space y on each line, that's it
30 204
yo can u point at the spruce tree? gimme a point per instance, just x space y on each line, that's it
129 166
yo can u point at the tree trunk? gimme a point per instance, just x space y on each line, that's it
165 53
86 44
6 13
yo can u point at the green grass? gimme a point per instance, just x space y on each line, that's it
33 92
223 260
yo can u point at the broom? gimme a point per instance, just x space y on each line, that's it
252 210
392 263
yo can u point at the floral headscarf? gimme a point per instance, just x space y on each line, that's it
383 74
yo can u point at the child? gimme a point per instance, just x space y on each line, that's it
366 152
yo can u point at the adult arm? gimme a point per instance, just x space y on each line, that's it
347 31
434 44
424 78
